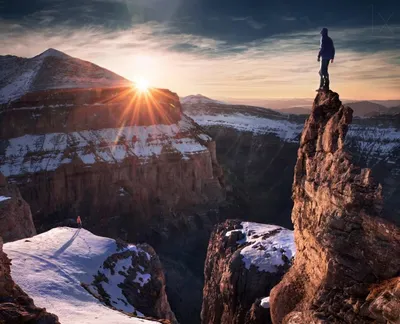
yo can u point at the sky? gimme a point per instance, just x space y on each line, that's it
243 49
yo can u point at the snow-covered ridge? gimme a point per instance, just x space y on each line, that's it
35 153
51 70
50 268
376 140
268 247
284 129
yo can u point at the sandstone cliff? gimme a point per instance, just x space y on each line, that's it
15 214
344 248
244 261
15 305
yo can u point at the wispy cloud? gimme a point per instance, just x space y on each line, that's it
250 21
289 18
282 65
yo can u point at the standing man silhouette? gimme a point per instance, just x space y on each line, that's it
326 54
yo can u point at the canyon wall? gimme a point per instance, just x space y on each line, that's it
344 248
15 214
124 160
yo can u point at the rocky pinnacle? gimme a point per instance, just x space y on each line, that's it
347 255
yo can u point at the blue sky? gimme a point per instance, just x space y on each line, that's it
224 49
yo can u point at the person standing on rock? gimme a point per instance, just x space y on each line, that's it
326 54
79 221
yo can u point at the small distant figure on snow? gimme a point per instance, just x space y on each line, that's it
79 221
326 54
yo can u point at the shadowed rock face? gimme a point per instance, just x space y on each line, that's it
343 246
15 305
244 261
142 282
15 214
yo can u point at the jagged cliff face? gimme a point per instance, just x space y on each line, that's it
138 274
15 305
116 156
343 246
244 261
257 149
15 214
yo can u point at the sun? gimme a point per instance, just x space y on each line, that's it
142 84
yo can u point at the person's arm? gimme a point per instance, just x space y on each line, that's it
334 51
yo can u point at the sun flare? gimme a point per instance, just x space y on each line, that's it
142 85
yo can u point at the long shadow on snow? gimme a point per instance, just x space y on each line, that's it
66 244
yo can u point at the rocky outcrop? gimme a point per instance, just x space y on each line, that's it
15 305
15 214
142 283
244 261
343 246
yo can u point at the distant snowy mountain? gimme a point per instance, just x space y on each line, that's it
258 120
51 70
199 99
53 267
296 110
394 110
257 146
366 108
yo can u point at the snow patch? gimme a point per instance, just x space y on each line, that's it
142 278
265 302
4 198
267 246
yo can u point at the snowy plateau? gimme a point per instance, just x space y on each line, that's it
53 267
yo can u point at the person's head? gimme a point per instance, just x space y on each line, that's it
324 31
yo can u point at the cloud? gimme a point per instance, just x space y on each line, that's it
282 65
289 18
250 21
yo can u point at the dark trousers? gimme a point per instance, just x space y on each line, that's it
323 72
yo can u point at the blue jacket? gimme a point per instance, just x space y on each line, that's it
327 49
